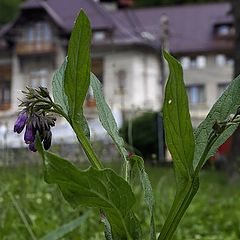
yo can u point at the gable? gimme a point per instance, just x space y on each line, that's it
65 12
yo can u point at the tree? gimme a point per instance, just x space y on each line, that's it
236 15
8 10
233 164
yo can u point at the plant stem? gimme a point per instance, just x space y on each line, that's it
210 143
92 156
176 213
178 209
190 190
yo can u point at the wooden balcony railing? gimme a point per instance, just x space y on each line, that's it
90 103
5 106
25 48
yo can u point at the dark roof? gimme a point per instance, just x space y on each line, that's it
191 26
64 12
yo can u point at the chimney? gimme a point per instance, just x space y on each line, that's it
125 3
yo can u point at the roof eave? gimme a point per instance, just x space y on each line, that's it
41 5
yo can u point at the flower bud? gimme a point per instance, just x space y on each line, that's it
30 133
20 122
31 147
47 140
43 91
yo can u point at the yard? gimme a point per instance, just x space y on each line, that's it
25 197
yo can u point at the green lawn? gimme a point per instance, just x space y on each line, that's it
213 215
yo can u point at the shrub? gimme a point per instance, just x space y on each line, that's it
143 134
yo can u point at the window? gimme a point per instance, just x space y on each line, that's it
196 94
29 34
223 30
186 62
222 60
5 95
5 87
39 78
230 61
38 32
99 35
193 62
198 62
221 88
201 62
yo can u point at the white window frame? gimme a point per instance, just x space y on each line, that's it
196 94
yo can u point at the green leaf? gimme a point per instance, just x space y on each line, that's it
138 163
106 116
61 99
59 95
77 75
66 228
181 144
80 122
177 122
102 189
227 104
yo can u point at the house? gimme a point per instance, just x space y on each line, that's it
126 46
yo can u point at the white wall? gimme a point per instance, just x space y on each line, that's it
142 87
18 83
210 76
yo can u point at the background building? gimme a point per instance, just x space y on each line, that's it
126 46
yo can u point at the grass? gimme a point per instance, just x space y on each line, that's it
29 208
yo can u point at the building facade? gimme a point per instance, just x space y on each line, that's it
126 47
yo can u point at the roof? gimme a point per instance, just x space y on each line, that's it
190 26
64 12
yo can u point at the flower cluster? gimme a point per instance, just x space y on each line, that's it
36 117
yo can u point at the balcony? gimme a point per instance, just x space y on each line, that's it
5 106
33 48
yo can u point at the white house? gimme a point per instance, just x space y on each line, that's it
126 48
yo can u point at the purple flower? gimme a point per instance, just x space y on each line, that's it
37 115
30 133
20 122
47 140
31 147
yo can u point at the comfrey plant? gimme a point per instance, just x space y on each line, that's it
100 187
37 116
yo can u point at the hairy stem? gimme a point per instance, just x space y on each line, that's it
92 156
177 211
180 207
